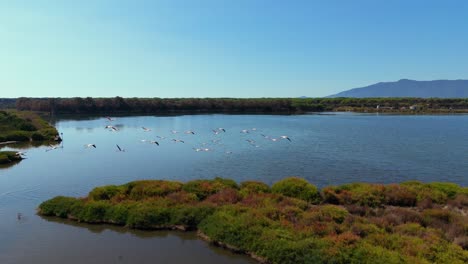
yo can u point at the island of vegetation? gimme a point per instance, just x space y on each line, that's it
22 126
119 105
292 221
7 157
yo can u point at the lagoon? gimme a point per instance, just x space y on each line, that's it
326 149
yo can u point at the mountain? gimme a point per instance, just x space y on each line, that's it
411 88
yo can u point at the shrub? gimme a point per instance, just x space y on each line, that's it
144 189
17 136
48 133
399 195
225 196
191 216
147 216
251 187
37 136
106 192
182 197
205 188
118 213
94 211
59 206
297 188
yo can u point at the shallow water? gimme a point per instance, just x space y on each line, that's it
325 149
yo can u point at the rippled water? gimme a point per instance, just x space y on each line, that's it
325 149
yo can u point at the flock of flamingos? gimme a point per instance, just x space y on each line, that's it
205 146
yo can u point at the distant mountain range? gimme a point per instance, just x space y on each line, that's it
411 88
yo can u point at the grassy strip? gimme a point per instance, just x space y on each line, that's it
292 221
24 127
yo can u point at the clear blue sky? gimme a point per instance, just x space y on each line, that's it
237 48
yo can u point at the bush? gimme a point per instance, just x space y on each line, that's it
252 187
205 188
106 192
59 206
146 216
139 190
94 211
399 195
191 216
17 136
297 188
37 136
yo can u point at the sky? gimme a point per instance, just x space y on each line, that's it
221 48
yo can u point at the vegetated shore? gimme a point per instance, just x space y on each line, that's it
119 105
18 127
291 221
7 157
24 126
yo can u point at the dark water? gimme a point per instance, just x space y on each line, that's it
325 149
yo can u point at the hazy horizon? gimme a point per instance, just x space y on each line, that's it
174 49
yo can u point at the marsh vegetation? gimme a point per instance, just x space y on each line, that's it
21 126
292 221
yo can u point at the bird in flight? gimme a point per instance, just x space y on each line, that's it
112 128
286 137
154 142
119 149
51 147
20 153
90 145
110 118
189 132
146 129
178 140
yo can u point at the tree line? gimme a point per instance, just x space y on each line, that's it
117 105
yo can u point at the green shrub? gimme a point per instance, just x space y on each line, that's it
37 136
94 211
205 188
48 133
59 206
106 192
17 136
191 216
251 187
297 188
147 216
145 189
118 213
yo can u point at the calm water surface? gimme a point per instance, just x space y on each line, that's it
325 149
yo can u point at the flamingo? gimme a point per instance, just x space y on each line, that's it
51 147
119 149
111 128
